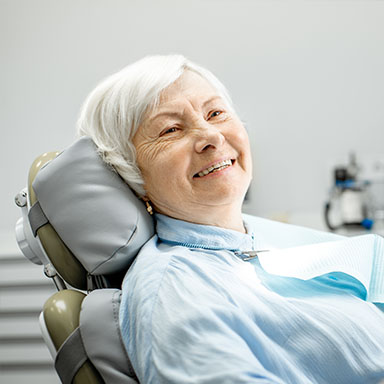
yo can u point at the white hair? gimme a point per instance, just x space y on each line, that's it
114 110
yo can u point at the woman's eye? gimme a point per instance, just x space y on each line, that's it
170 130
214 114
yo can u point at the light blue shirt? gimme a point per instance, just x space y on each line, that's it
193 311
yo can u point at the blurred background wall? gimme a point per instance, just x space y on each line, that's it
307 78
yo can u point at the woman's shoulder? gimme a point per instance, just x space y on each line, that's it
162 271
169 278
157 263
148 268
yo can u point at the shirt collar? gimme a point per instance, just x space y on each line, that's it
192 235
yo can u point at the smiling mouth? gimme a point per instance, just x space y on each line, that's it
215 168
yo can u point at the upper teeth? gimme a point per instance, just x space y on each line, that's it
224 163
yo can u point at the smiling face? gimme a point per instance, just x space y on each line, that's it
194 155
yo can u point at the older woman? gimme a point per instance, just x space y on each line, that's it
197 305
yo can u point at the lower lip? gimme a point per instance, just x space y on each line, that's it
215 174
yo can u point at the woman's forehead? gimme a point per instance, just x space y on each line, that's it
177 110
189 90
189 85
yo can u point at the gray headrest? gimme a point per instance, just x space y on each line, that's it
92 209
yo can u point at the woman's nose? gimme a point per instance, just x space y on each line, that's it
208 137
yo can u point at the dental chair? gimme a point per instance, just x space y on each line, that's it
83 223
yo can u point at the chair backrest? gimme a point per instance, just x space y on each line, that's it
89 226
94 212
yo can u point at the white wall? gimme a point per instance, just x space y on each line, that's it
307 77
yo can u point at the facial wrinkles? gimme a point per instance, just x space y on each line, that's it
150 143
148 148
154 150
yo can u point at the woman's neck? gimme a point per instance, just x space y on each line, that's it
223 217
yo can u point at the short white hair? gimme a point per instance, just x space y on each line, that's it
114 110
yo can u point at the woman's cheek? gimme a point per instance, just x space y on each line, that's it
149 152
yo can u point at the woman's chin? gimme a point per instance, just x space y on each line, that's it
222 196
219 189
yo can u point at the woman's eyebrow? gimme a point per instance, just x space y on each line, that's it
213 98
166 114
180 113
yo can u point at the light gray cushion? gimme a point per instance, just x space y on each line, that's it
92 209
100 332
